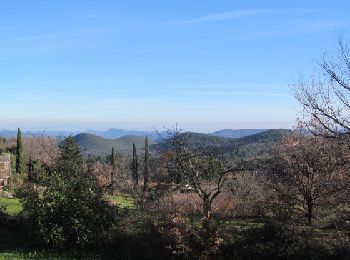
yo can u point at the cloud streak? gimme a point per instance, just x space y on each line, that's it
235 14
224 16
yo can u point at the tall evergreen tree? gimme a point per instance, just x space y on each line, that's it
113 164
71 157
146 170
135 165
19 153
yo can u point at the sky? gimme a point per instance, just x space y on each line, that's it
206 65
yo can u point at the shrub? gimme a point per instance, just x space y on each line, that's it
70 210
187 240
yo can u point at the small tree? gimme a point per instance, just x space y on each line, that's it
312 171
19 153
146 165
203 172
135 166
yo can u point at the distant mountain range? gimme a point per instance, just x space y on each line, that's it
13 133
117 133
109 134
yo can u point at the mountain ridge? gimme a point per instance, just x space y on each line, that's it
113 133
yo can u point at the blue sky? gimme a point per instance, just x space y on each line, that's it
139 64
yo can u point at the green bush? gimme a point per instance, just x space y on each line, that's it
69 212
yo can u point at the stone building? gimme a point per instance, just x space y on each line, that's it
5 170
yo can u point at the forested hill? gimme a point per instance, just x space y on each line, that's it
91 144
252 145
259 144
237 133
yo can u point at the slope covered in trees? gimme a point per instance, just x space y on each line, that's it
253 145
91 144
237 133
256 144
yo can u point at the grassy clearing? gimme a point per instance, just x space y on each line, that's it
32 255
242 224
12 206
124 201
15 255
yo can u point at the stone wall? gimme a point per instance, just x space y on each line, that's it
5 168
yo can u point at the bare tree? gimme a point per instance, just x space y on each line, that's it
203 172
325 98
42 148
313 171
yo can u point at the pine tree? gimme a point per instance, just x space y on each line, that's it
146 170
135 166
71 157
19 153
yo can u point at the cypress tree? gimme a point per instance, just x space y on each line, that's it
32 174
19 153
146 170
135 166
113 164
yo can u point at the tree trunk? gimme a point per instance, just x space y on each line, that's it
310 209
206 213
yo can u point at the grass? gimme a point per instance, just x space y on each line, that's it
12 206
17 255
35 255
124 201
13 255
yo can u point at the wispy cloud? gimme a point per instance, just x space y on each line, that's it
325 24
235 14
212 18
224 16
250 93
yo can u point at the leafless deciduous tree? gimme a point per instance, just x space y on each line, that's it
325 98
203 172
42 148
315 170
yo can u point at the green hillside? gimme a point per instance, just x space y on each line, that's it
259 144
254 145
91 144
